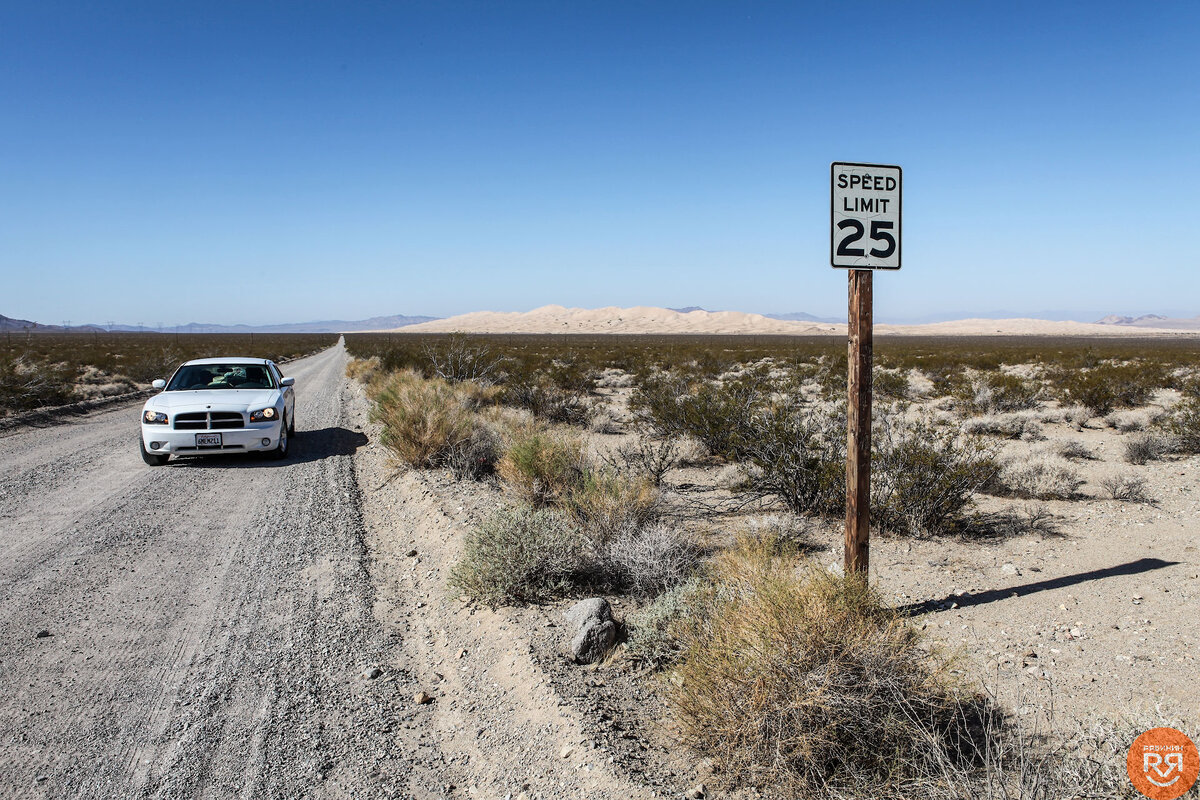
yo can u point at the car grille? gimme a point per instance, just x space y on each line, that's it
209 421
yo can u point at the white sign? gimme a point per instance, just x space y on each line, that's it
864 216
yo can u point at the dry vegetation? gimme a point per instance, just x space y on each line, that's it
794 680
53 369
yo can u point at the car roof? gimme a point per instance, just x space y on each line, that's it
230 360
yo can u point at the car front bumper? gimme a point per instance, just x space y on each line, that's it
162 439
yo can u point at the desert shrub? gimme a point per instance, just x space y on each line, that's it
1037 475
476 457
548 401
423 420
993 392
1145 447
1077 415
1014 425
613 378
1129 421
653 632
924 478
542 466
805 681
1128 488
1183 426
797 453
890 384
1108 386
459 357
25 385
716 413
1071 449
520 554
647 456
646 561
601 419
607 504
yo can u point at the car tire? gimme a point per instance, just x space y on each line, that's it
285 439
291 427
153 459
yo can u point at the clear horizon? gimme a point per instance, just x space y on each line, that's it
226 163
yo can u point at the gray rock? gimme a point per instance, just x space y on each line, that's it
592 642
594 610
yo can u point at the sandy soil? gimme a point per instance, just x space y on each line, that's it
644 319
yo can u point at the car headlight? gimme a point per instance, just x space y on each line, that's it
154 417
266 415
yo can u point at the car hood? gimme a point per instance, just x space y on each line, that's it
214 400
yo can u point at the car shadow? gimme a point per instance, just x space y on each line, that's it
306 446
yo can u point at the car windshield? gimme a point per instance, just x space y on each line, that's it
221 376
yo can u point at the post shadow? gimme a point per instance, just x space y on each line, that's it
991 596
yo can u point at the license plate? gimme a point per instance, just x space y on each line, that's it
208 440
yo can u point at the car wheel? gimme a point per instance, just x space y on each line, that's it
291 428
281 449
153 459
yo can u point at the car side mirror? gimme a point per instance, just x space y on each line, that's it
159 384
287 382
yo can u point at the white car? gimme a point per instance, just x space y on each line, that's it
219 405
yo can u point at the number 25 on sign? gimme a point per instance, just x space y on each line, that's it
865 216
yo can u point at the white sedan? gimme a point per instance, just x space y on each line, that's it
219 405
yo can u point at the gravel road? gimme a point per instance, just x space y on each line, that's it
209 622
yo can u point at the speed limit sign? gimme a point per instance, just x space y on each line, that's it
864 216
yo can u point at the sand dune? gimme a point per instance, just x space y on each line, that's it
646 319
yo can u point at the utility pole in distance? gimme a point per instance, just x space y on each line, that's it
864 236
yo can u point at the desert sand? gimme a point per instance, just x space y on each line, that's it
646 319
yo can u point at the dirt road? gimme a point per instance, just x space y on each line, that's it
208 621
238 627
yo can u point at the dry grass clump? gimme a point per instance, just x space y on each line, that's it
1127 488
1037 475
542 466
653 632
602 419
804 681
423 420
1076 416
1013 425
519 554
363 370
1145 447
607 504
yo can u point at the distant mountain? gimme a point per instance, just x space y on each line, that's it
323 326
687 309
1114 319
10 324
802 316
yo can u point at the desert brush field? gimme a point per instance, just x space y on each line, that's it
1034 578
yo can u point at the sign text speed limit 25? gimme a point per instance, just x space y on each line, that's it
864 216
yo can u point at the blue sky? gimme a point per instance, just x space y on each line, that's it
262 162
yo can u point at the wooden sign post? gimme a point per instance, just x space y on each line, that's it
864 205
858 424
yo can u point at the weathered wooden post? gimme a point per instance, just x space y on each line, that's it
858 424
864 209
